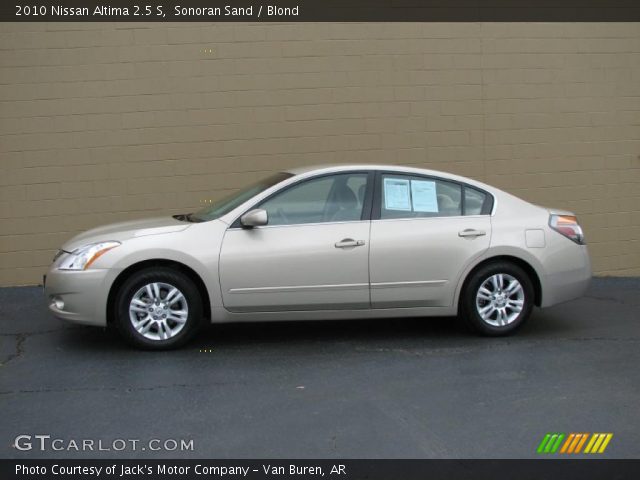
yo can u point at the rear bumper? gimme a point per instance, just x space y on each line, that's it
77 296
568 278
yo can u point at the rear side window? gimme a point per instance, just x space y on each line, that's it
412 196
405 196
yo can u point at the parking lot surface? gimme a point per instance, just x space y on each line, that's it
416 388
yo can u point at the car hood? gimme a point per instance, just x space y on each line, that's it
125 230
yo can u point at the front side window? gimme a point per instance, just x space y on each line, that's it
408 196
332 198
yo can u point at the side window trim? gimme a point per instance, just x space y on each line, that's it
366 207
376 211
463 201
367 204
376 208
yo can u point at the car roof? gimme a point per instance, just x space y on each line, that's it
330 168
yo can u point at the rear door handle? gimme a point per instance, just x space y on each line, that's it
349 242
469 232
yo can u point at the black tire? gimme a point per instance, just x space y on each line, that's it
160 275
469 308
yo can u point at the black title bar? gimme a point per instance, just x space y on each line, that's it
582 469
321 11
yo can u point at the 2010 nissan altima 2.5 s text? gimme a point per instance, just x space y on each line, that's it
340 242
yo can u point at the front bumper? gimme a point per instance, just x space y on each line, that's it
77 296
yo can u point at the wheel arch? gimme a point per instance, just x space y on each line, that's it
136 267
529 269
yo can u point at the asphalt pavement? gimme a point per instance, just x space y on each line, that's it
410 388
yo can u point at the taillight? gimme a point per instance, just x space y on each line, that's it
568 226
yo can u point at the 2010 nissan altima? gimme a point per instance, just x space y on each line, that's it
340 242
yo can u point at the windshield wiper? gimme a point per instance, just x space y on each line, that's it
187 217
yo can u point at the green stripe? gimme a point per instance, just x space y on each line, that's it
547 449
554 449
544 442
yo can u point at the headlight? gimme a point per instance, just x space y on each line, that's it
81 258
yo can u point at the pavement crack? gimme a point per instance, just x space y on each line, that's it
22 337
40 332
609 299
117 389
456 350
19 349
603 339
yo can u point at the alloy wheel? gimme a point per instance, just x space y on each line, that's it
158 311
500 299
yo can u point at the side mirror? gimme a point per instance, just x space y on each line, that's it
254 218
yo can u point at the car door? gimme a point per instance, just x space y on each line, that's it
312 254
424 232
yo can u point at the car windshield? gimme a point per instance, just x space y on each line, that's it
228 203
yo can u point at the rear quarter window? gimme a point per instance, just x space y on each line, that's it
474 201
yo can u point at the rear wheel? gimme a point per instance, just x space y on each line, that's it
158 309
497 299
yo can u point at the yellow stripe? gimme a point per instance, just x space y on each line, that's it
596 445
591 442
605 443
567 442
582 440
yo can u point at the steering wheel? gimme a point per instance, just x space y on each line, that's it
282 215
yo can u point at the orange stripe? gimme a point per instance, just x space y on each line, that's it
567 442
584 439
574 443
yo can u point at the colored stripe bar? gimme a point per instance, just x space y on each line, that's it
574 442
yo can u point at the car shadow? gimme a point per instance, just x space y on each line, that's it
436 331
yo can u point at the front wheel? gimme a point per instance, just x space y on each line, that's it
497 299
158 309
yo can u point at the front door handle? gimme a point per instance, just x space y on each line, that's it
349 242
469 232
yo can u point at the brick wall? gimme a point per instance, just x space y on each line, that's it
106 122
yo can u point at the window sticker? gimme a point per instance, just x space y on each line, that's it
397 194
423 196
